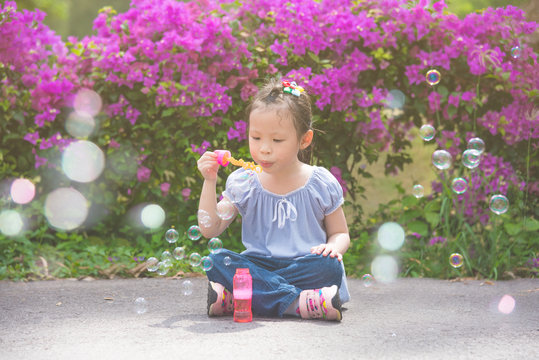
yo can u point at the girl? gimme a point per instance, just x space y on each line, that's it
293 225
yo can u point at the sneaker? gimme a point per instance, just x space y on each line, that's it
323 303
220 300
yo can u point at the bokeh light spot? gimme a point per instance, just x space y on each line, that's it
83 161
384 268
66 208
22 191
152 216
11 223
391 236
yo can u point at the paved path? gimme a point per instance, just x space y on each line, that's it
408 319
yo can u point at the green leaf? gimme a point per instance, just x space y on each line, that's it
432 218
512 229
418 227
314 57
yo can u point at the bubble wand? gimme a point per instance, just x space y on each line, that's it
224 158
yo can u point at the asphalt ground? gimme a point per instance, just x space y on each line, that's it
406 319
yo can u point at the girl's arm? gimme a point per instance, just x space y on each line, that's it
338 238
208 167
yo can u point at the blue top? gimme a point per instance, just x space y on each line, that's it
285 226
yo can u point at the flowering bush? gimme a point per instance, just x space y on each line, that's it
174 79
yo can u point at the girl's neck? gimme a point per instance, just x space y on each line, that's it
285 182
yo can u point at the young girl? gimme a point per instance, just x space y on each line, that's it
293 225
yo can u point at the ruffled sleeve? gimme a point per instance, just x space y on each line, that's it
327 191
238 188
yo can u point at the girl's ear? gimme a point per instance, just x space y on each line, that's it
306 140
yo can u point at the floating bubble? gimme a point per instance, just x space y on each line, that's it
204 218
194 233
80 124
516 52
459 185
384 268
418 191
391 236
152 264
227 261
456 260
140 305
162 268
433 77
215 245
506 304
11 223
367 279
471 158
172 235
179 253
207 263
477 144
22 191
152 216
87 102
187 287
83 161
441 159
166 255
225 209
395 99
195 259
427 132
499 204
66 208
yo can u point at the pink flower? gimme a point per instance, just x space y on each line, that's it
338 175
185 193
165 187
113 144
143 174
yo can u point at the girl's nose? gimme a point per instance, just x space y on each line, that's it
265 148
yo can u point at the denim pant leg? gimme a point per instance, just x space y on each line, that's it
272 293
313 271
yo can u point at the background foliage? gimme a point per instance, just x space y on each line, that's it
175 77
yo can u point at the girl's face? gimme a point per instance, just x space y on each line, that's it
273 140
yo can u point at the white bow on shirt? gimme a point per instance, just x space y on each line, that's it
281 214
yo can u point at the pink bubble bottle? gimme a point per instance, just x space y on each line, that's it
243 292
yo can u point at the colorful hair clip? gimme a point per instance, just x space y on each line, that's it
292 88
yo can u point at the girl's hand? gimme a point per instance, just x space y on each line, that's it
325 250
208 166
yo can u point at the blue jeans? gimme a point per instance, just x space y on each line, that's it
276 282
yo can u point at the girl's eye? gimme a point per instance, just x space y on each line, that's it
278 140
255 138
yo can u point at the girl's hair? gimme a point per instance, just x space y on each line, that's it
299 107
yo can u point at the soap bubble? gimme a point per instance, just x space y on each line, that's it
418 191
152 264
187 287
204 218
516 51
140 305
194 233
227 261
391 236
459 185
427 132
506 304
395 99
22 191
195 259
83 161
162 268
11 223
172 235
166 255
471 158
499 204
441 159
367 279
384 268
456 260
215 245
66 208
152 216
477 144
87 102
80 124
207 263
179 253
225 209
433 77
